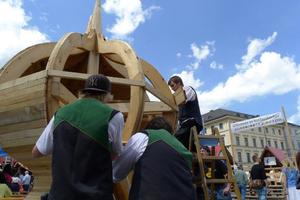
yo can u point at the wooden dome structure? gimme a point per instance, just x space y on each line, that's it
42 78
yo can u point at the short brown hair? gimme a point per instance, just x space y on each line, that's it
176 80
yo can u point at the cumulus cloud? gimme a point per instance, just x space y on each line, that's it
188 78
295 118
129 16
264 77
215 65
15 32
200 53
255 48
178 55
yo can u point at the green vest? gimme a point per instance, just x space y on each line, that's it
82 113
163 135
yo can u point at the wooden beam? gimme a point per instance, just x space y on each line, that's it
160 96
148 107
179 96
62 93
81 76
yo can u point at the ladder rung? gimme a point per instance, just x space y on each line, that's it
219 181
213 157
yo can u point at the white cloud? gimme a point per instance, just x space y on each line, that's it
295 118
129 16
15 32
255 48
264 77
188 78
215 65
178 55
201 53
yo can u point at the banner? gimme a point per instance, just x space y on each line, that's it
265 120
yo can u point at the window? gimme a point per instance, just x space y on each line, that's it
237 140
273 130
269 143
282 145
259 129
221 126
279 132
254 142
246 142
262 144
240 157
276 145
248 157
267 130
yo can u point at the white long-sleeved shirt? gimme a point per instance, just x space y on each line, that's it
132 152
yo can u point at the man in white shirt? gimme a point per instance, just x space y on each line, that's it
83 137
189 112
162 165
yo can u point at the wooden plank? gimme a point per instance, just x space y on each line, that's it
15 100
24 80
24 137
23 114
62 93
23 86
161 96
18 95
23 104
21 126
148 108
179 96
82 76
116 66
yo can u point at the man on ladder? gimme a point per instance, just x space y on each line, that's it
189 111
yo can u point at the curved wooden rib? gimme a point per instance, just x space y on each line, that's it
135 72
160 84
14 68
64 47
57 61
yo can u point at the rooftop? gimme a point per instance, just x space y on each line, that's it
219 113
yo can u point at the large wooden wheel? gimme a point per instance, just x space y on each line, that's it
42 78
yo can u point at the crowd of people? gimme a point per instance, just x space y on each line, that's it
14 179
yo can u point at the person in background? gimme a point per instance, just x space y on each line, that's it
162 165
222 190
26 181
298 166
4 189
258 174
242 180
291 175
189 112
83 138
7 171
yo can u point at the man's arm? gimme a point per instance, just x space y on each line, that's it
115 130
44 144
36 153
133 150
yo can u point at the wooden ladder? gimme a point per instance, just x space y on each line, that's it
213 140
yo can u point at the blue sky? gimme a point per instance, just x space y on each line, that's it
238 55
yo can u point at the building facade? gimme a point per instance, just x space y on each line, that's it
243 145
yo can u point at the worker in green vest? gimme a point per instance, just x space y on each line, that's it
162 165
83 137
